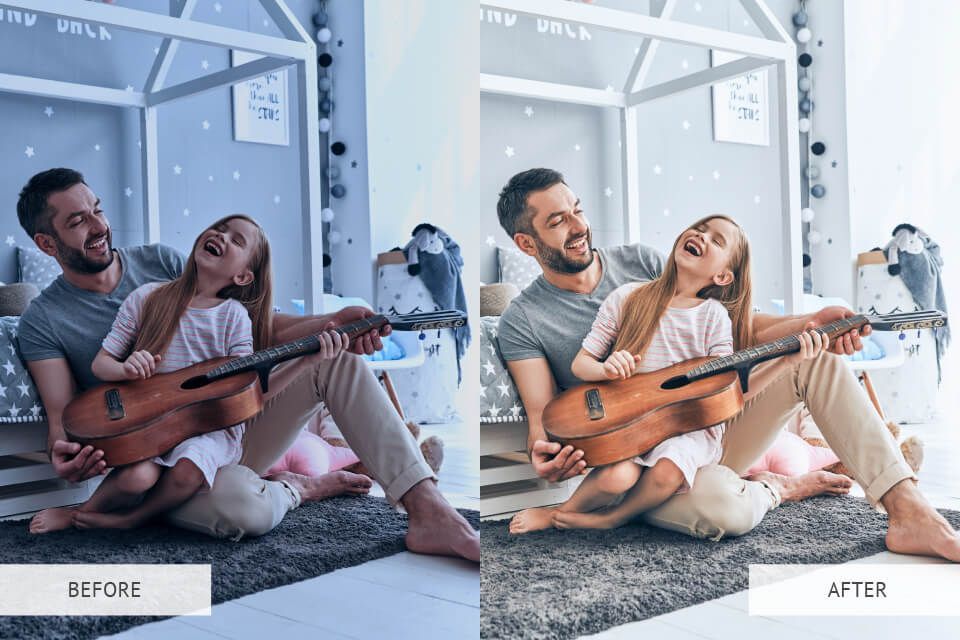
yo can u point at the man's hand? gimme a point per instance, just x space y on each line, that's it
848 343
368 342
75 463
555 463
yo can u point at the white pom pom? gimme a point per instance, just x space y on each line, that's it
813 237
326 214
334 237
807 214
324 35
324 125
804 35
804 83
804 125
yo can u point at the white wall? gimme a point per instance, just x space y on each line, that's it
422 114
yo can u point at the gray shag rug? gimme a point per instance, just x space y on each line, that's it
564 584
316 538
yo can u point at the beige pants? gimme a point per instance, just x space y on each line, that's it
722 503
241 503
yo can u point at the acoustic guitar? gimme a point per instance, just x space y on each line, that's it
621 419
140 419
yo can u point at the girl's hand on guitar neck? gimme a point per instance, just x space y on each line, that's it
620 365
812 343
331 344
140 365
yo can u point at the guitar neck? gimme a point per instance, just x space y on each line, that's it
791 344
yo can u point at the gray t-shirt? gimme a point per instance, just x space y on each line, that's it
67 322
547 322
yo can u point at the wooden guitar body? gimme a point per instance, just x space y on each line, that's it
158 413
617 420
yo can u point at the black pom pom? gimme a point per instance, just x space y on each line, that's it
818 148
893 269
319 19
338 148
806 260
904 225
413 269
805 60
325 60
326 260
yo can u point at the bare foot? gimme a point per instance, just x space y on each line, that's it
815 483
112 520
535 519
593 520
435 527
54 519
916 528
328 485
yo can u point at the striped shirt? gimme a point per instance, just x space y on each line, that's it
223 330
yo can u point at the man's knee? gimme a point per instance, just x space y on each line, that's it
237 505
715 507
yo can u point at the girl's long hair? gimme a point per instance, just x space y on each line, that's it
641 313
167 303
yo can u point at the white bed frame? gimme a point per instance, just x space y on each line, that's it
29 485
774 49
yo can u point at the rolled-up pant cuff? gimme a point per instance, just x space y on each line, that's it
896 472
416 472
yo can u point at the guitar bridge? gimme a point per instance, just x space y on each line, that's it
594 404
115 409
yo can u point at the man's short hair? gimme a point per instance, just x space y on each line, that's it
512 206
32 209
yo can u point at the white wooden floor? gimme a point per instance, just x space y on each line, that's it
402 596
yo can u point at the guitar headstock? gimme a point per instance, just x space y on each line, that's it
427 321
906 321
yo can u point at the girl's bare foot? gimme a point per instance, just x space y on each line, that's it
815 483
112 520
54 519
327 485
593 520
535 519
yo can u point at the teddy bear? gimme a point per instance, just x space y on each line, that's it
911 448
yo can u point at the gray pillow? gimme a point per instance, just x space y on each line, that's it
517 267
499 400
36 267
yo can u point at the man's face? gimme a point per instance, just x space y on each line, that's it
81 232
561 240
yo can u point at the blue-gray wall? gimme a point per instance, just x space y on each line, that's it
696 175
218 175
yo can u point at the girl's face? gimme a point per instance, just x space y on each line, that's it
705 250
227 249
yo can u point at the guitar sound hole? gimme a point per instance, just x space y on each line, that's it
194 383
675 382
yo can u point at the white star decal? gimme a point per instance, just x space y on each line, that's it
28 152
48 111
515 410
186 212
716 175
504 388
494 411
236 175
177 169
276 199
491 241
217 7
489 368
483 392
13 349
10 241
9 368
685 64
210 178
756 199
686 125
3 391
528 111
156 50
493 349
35 410
14 410
690 178
204 65
509 151
24 388
666 213
657 169
205 124
576 147
128 192
96 147
608 192
697 7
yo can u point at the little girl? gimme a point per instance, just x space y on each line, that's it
161 327
685 313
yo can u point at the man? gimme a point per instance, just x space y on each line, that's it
541 332
61 332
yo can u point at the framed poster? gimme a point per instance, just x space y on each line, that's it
741 107
261 112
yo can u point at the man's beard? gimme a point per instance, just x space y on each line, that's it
77 260
556 261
